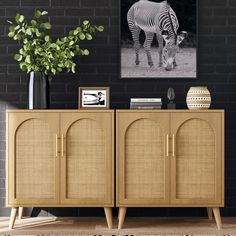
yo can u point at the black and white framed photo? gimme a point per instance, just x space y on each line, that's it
94 97
158 39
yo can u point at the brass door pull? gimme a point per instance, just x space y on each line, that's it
62 145
56 145
167 145
173 145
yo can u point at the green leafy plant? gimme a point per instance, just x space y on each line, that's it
39 53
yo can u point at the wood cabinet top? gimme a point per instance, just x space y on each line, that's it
59 111
169 111
112 111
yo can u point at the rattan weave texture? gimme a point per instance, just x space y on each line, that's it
195 160
144 160
86 160
35 165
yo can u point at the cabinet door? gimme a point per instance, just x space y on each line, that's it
198 158
33 166
87 162
142 162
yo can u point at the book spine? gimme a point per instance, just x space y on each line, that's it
145 100
145 107
146 103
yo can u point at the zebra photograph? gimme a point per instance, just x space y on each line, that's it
158 38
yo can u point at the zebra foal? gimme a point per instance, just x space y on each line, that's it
160 19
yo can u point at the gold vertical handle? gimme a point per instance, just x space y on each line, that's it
62 145
173 143
56 145
167 145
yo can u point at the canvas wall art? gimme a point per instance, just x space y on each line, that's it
158 39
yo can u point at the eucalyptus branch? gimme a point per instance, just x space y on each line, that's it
40 53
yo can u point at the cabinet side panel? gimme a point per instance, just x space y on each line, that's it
7 160
222 166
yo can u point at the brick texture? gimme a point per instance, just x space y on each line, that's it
217 70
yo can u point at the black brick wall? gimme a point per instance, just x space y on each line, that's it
217 70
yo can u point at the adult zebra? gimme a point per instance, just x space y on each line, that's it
160 19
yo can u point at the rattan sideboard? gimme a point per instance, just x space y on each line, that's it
170 158
60 158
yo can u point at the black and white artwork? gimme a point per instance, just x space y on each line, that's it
158 39
93 97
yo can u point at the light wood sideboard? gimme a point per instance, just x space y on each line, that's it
170 158
60 158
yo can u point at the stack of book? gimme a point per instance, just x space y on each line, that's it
145 103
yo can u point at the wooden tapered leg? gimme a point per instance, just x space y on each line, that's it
12 217
216 211
122 212
20 213
210 213
108 213
118 214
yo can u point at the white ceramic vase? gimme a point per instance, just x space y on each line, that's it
198 98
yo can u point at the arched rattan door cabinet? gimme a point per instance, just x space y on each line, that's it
170 159
60 159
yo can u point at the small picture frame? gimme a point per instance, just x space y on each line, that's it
94 97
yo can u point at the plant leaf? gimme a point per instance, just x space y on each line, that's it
27 59
73 68
86 52
71 43
47 38
82 36
44 13
75 32
47 25
18 57
85 22
17 18
18 37
38 13
33 22
28 31
89 37
99 28
12 28
53 71
11 34
21 51
38 34
21 19
23 67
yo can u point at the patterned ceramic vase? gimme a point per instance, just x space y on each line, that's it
198 98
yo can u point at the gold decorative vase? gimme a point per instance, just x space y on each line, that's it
198 98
